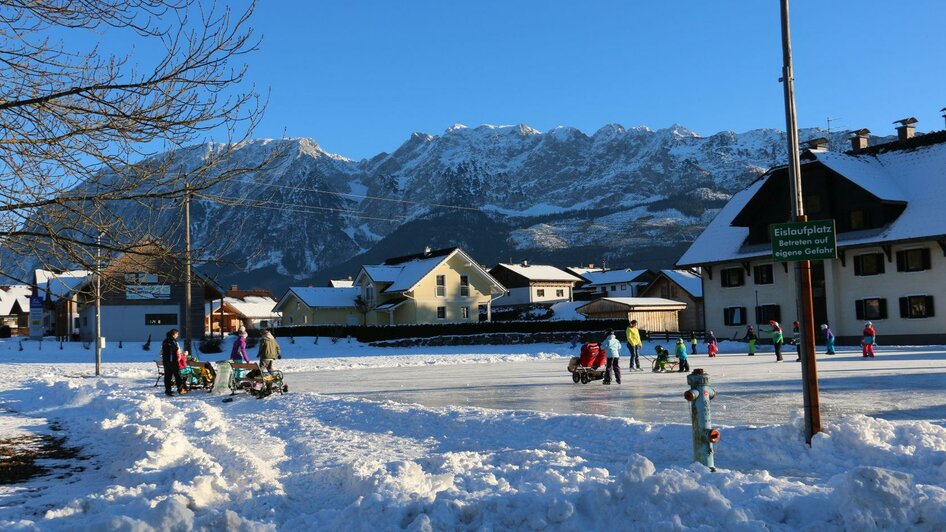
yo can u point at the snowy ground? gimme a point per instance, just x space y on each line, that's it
478 438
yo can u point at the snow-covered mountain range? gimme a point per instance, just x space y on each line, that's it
627 197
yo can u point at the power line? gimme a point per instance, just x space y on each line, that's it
291 207
363 196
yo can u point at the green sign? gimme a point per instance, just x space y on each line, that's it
797 241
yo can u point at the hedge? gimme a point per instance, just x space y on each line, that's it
367 334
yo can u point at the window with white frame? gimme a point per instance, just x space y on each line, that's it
441 313
559 292
441 286
464 286
465 312
369 293
540 292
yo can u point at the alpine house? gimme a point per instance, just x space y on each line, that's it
886 201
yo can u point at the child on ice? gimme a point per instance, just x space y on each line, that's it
712 347
612 348
870 338
829 338
682 356
663 358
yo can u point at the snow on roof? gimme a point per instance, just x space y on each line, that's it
582 271
341 283
613 276
383 274
253 307
10 295
326 297
412 272
640 302
540 272
916 176
687 280
60 285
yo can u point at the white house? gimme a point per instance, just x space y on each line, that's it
887 203
617 283
534 283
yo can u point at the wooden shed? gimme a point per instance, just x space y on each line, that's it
651 313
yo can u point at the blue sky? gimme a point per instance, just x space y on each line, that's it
360 76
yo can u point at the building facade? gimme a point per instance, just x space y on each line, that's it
319 306
891 235
684 286
534 283
436 286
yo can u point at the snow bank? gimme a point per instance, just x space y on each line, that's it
307 461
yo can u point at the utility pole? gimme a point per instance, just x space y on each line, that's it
187 268
98 305
804 302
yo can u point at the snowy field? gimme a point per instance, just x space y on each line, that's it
477 438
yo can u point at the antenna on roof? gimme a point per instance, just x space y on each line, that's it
943 110
831 119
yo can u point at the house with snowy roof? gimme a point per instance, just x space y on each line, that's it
60 300
319 305
251 311
534 283
436 286
886 201
15 308
616 283
685 286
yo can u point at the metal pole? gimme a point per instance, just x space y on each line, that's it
802 268
98 305
187 268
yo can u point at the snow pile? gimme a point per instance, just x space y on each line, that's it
308 461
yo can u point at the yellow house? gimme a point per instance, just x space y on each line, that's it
319 306
439 286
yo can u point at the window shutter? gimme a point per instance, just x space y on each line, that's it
883 309
777 311
881 264
926 259
904 307
742 316
758 314
901 261
929 307
858 268
859 309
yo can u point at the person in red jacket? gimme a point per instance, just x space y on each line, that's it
870 338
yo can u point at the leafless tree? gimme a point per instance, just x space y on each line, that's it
80 126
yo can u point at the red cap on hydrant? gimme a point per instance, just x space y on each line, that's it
713 435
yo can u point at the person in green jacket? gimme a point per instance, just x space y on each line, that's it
777 338
681 352
634 345
268 350
693 341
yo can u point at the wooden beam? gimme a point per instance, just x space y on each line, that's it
842 254
887 252
785 266
709 272
745 266
942 245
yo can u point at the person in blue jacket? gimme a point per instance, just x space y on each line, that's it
612 349
681 353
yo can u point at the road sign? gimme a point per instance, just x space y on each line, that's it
796 241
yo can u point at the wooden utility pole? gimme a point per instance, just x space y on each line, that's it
98 305
187 268
804 302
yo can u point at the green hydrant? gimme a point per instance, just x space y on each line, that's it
704 435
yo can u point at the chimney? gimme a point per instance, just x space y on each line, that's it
591 265
859 140
233 288
427 250
818 144
525 263
906 128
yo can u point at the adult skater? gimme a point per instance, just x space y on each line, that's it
170 352
777 339
238 353
268 350
634 345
